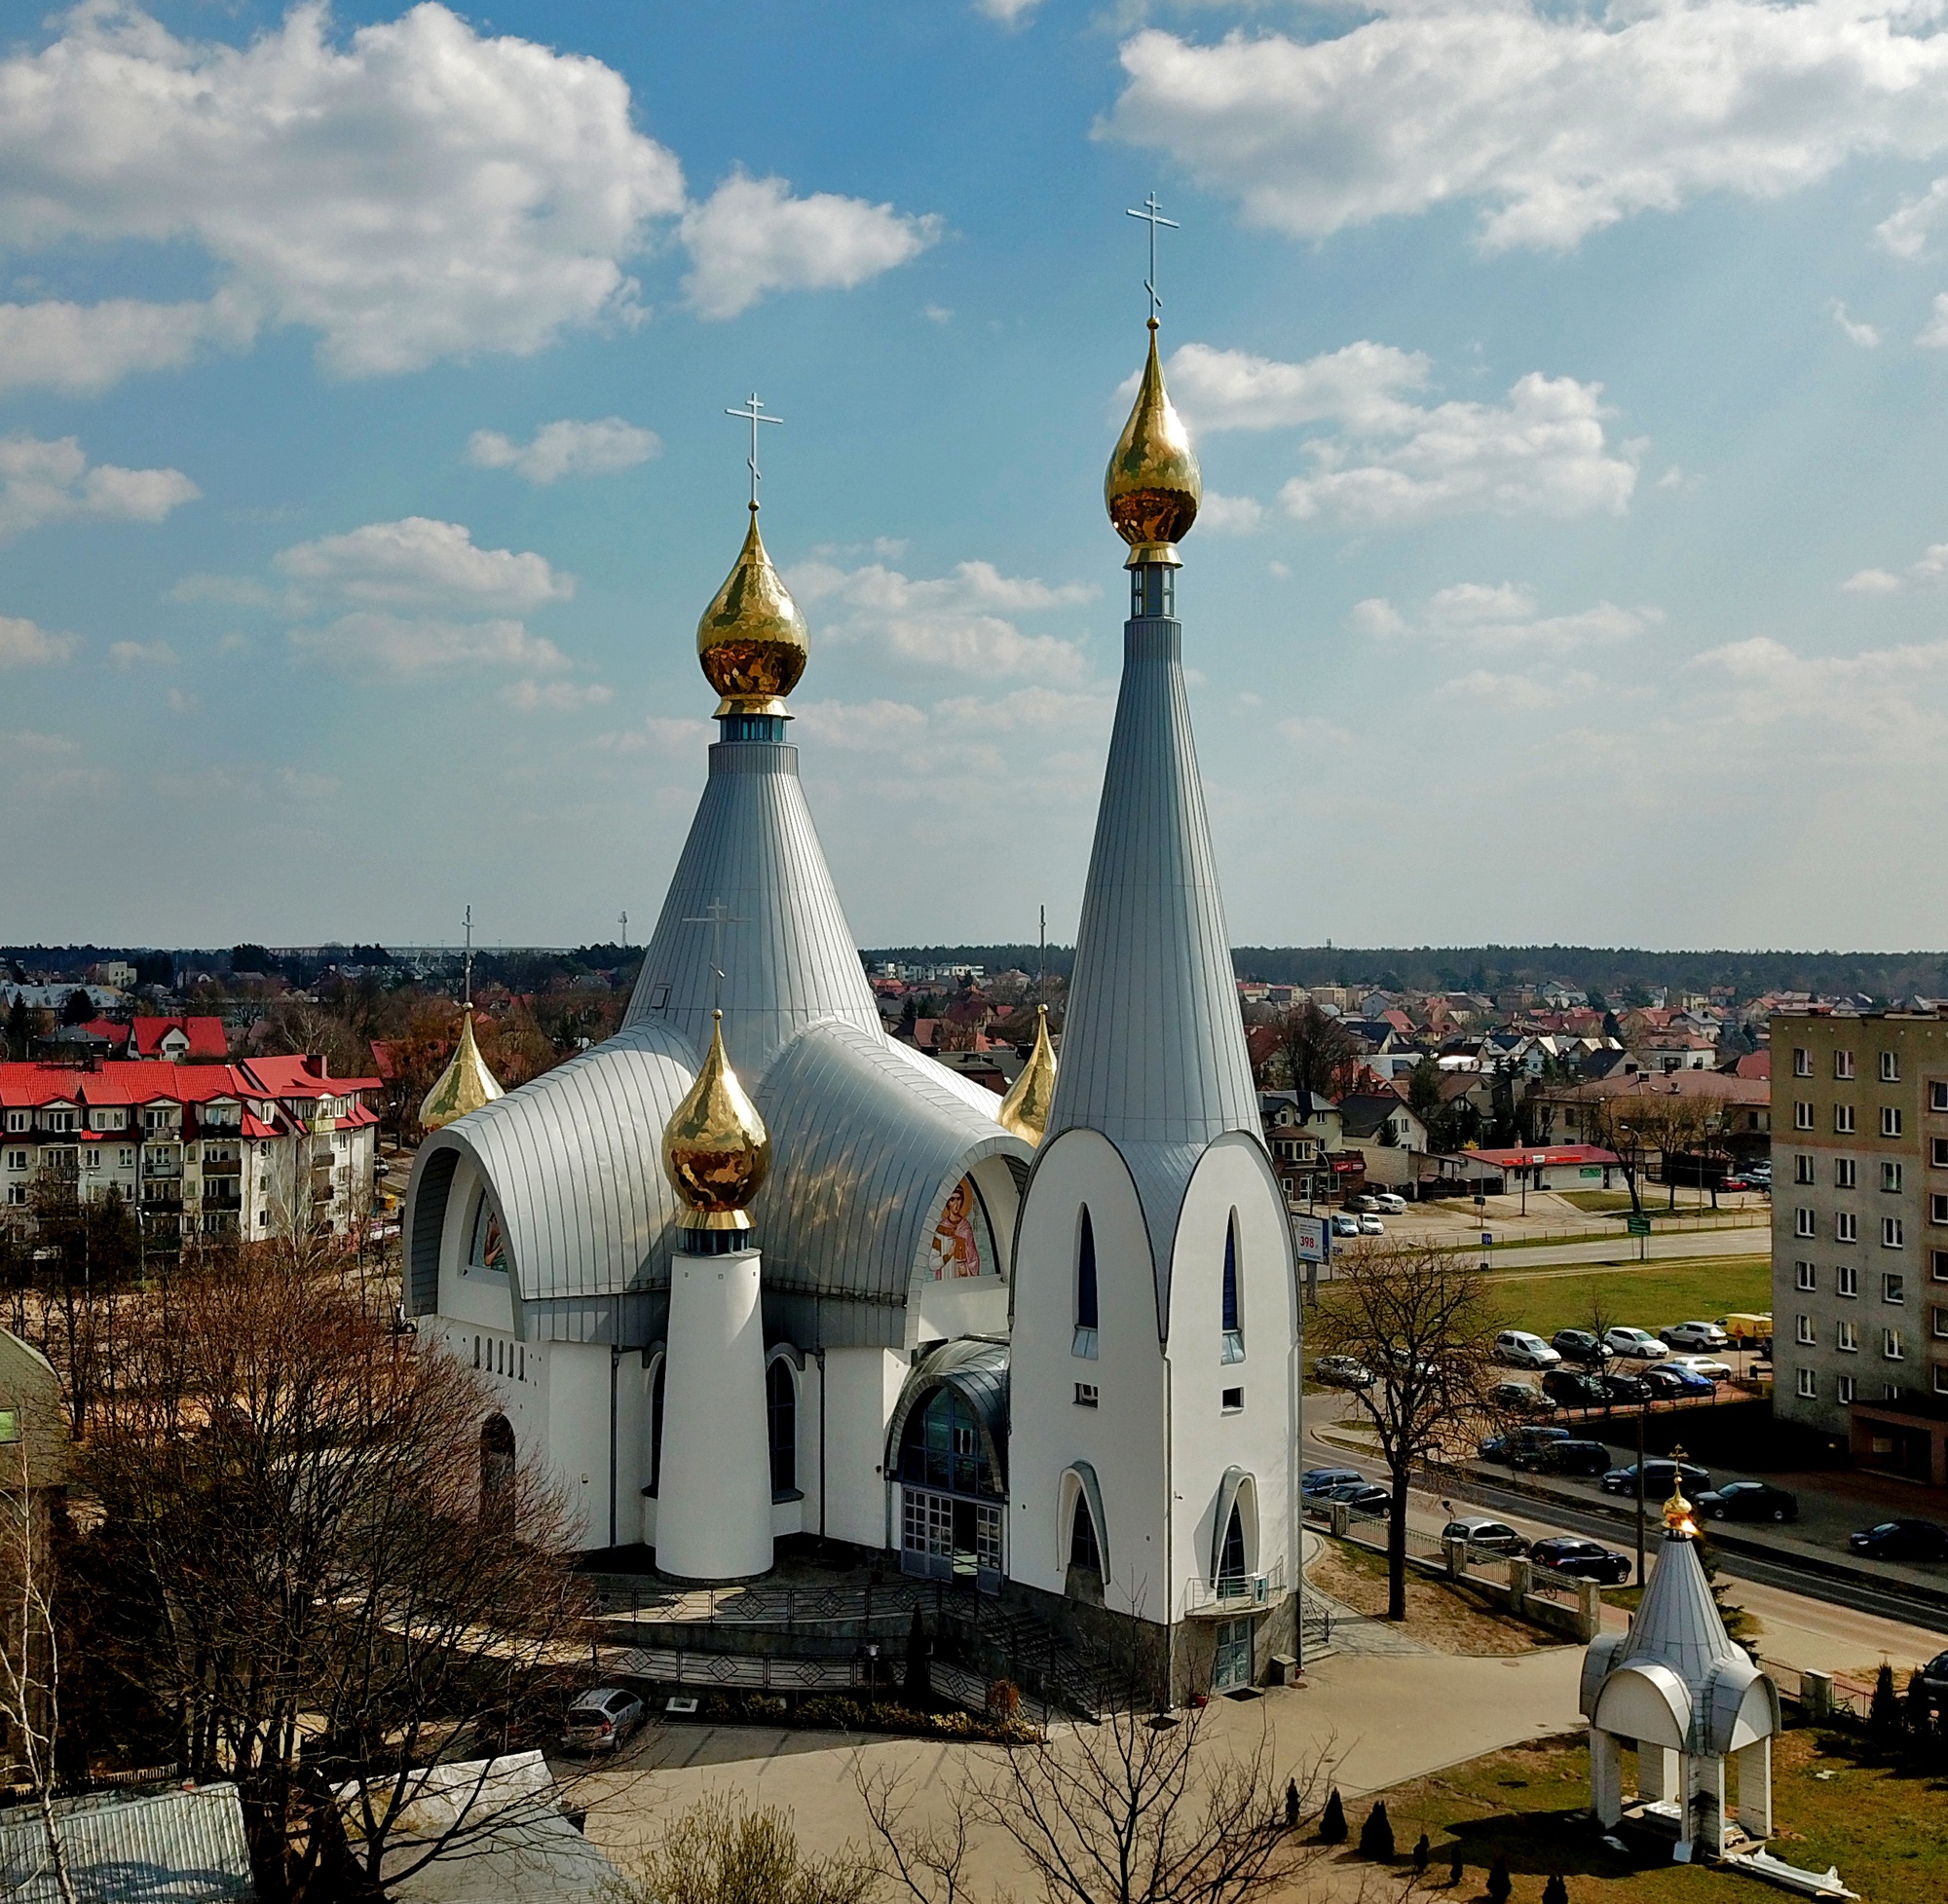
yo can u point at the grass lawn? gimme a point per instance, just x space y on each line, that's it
1885 1827
1650 1297
1445 1616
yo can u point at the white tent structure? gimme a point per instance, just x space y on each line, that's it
1688 1698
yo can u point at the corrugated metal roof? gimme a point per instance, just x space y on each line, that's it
172 1847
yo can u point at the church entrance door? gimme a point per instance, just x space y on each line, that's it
947 1536
1232 1666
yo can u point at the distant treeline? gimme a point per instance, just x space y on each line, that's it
1612 970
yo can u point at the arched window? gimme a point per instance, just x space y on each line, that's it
781 1405
1085 1288
497 1475
942 1446
1231 1567
485 1248
656 1424
1084 1550
1234 1329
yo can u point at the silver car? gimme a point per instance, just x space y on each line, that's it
601 1720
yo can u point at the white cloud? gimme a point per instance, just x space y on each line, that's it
84 348
961 621
1010 13
1906 230
1934 334
1878 696
1545 452
1036 710
861 727
566 449
1852 329
25 643
420 562
369 643
751 237
1931 566
1520 693
1230 515
43 482
1556 122
125 654
1871 582
554 696
411 191
178 702
29 740
937 313
1501 616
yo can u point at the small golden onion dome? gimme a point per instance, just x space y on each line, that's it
1153 486
752 643
1025 1110
1677 1509
716 1149
464 1086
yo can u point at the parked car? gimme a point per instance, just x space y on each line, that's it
1635 1344
1486 1536
1570 1457
601 1720
1580 1345
1318 1482
1573 1560
1626 1391
1363 1202
1668 1382
1362 1497
1371 1226
1520 1397
1747 1328
1734 1183
1390 1203
1901 1539
1521 1350
1709 1367
1695 1335
1343 1225
1659 1479
1519 1441
1760 1175
1935 1681
1569 1389
1749 1501
1342 1372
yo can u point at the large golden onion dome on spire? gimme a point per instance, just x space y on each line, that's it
464 1086
1153 485
1023 1110
752 643
716 1149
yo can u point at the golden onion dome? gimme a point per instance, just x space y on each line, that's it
1677 1509
752 643
1025 1110
1153 485
716 1149
464 1086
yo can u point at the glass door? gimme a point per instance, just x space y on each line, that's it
1233 1665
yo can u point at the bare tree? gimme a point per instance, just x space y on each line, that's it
726 1851
1317 1052
300 1568
1419 1317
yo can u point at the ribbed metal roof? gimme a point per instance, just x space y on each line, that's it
867 1141
789 956
1678 1624
1153 1048
172 1847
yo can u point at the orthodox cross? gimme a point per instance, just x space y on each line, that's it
753 411
717 916
1152 215
466 966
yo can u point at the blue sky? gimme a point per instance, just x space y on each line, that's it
1568 386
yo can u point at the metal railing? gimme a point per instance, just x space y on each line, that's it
1244 1591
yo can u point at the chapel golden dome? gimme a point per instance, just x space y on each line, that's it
716 1149
1677 1510
1025 1110
1153 485
752 643
464 1086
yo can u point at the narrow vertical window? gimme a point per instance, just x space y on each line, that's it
781 1404
1085 1290
1085 1552
1231 1560
656 1425
1234 1329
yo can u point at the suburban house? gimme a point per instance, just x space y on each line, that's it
1391 1140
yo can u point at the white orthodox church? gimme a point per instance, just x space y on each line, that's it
776 1275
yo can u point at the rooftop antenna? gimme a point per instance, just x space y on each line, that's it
1152 215
623 922
717 916
753 411
466 966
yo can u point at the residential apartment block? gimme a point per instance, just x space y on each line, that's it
259 1149
1861 1233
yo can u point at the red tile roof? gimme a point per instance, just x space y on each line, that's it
208 1042
292 1076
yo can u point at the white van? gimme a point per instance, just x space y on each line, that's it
1521 1350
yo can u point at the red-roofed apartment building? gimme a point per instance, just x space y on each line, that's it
265 1149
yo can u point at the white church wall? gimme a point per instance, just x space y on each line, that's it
1124 1436
578 1440
862 1387
1208 1438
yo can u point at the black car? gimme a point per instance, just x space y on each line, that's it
1631 1391
1581 1345
1749 1501
1573 1391
1659 1477
1363 1498
1901 1540
1676 1384
1573 1560
1935 1681
1519 1442
1568 1457
1316 1483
